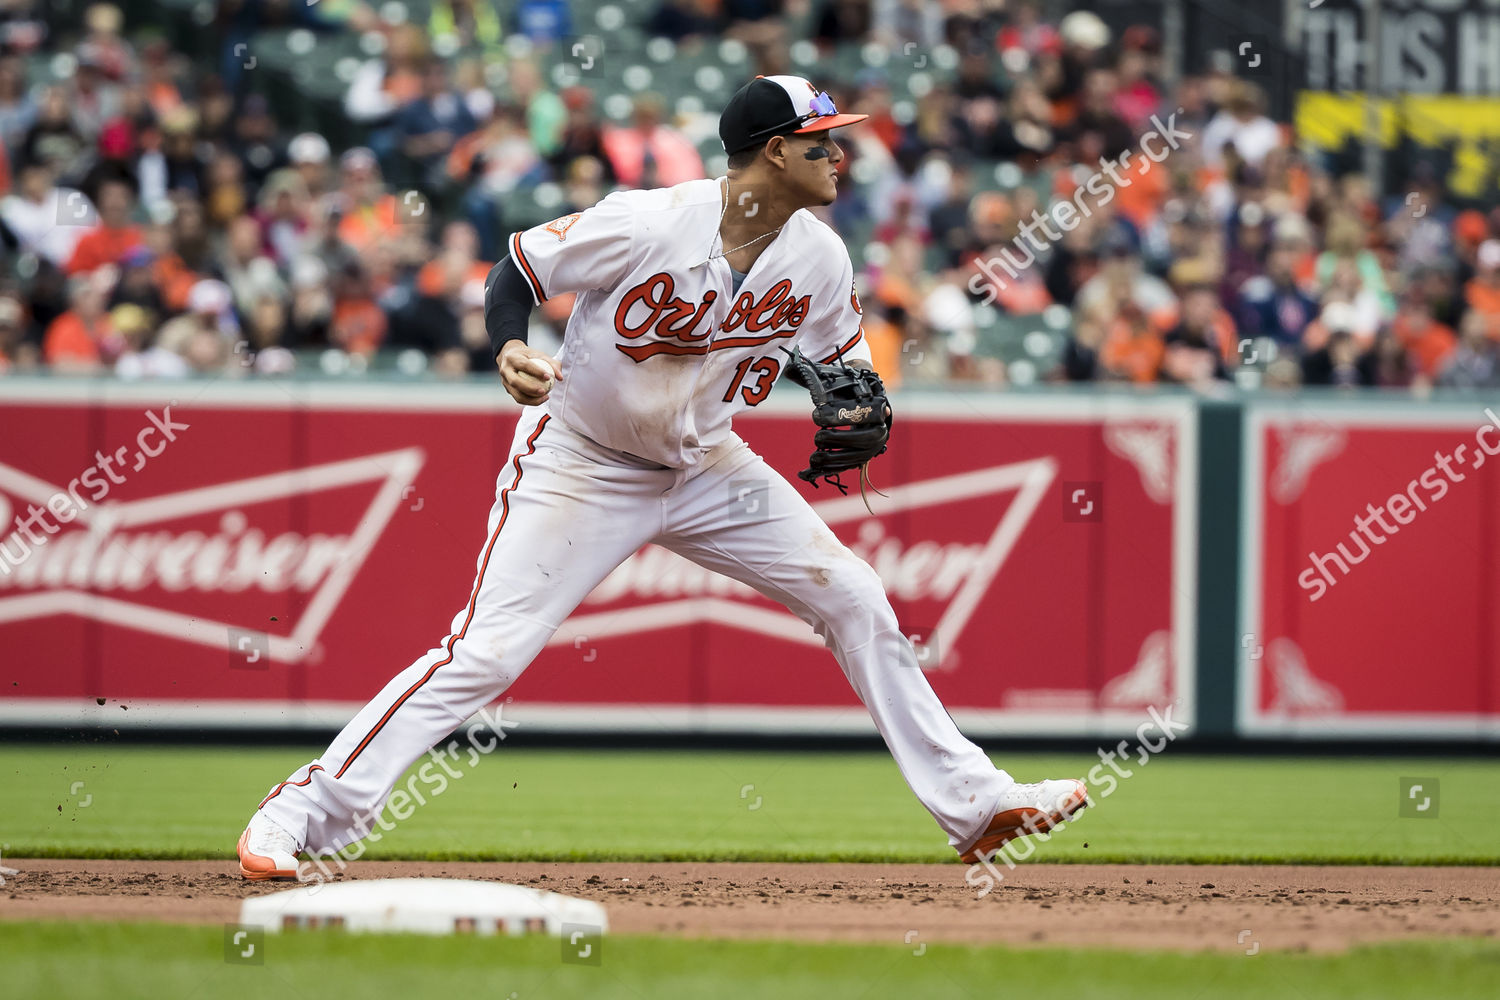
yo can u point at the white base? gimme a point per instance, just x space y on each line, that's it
425 906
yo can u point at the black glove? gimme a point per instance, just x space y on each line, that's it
852 414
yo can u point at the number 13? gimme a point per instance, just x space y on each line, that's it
768 369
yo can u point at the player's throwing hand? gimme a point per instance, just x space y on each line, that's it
528 374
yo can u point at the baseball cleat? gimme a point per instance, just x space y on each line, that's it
1027 809
267 851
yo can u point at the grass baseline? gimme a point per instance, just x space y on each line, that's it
522 804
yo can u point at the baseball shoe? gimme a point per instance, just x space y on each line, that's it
267 851
1027 809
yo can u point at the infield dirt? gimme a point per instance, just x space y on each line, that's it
1249 909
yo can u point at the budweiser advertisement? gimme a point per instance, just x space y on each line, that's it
1370 568
269 554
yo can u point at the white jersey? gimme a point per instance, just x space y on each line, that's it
660 352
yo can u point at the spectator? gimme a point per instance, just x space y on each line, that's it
311 313
544 21
93 98
428 126
1136 97
138 285
284 211
358 325
254 141
142 358
1134 348
40 217
468 23
1273 305
1122 280
1196 348
112 55
383 85
208 317
266 335
898 23
160 71
183 158
81 340
759 24
113 237
1475 363
544 112
314 254
1242 126
250 274
366 213
1354 271
1482 293
681 20
183 252
473 340
52 138
648 153
17 106
582 133
309 155
1080 359
1339 360
1097 115
16 352
583 186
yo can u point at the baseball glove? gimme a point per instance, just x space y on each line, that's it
852 414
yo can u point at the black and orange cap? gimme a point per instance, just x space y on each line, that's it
777 105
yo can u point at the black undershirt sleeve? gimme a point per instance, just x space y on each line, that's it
507 304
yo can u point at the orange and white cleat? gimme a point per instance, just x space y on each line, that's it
1027 809
267 851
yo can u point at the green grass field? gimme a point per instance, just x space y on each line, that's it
156 962
179 802
110 801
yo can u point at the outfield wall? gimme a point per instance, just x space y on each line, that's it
296 543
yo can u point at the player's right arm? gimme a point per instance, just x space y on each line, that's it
526 372
585 250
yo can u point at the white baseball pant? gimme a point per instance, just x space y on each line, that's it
567 512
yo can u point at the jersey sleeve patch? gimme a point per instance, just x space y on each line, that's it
560 227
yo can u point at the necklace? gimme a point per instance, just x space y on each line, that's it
723 212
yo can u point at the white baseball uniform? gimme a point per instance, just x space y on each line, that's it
635 446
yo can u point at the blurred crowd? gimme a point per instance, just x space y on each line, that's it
158 220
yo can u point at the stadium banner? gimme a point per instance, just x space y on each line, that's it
1369 564
270 554
1428 46
1439 90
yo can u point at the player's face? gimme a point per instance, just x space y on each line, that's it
815 178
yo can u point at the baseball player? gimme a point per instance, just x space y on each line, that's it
687 296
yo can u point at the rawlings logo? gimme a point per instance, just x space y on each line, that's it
856 415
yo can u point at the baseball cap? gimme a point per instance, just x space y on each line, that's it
777 105
358 158
1489 254
309 147
209 296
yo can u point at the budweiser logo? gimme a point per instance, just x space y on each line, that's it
111 554
665 590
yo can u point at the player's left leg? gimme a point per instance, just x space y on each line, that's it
772 540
